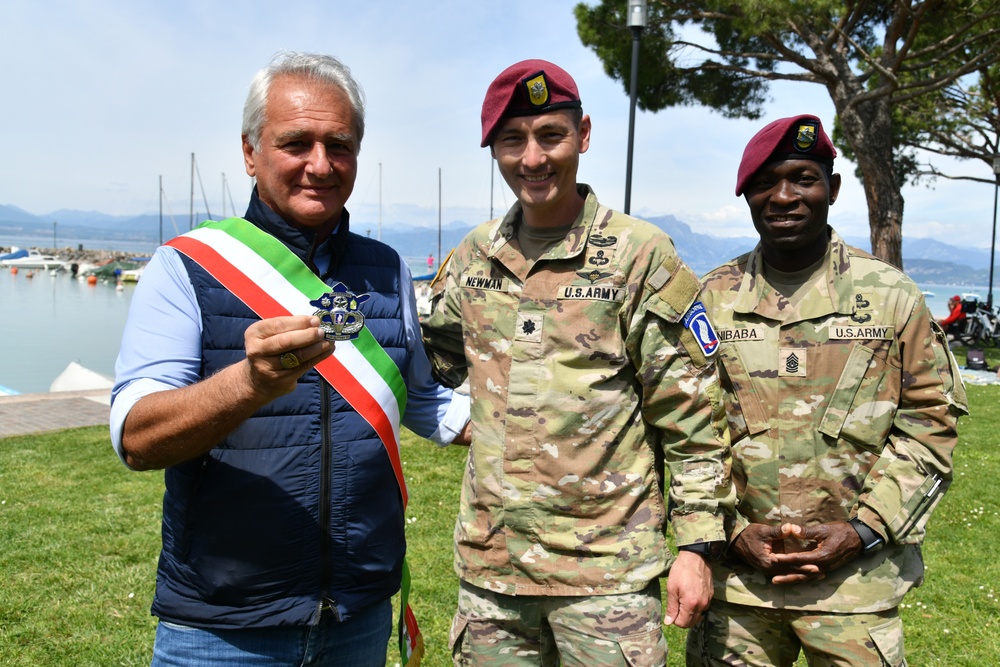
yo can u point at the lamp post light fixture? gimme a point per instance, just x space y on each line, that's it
636 21
993 241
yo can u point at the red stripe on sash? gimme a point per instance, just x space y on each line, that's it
265 306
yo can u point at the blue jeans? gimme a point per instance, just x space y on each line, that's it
360 641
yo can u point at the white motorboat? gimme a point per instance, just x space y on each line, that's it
34 260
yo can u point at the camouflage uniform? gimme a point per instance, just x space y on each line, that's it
583 381
844 405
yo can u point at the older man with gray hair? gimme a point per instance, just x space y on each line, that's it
265 367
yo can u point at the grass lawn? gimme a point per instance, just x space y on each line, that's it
79 539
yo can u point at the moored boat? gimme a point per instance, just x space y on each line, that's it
34 260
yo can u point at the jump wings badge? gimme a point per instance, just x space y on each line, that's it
338 313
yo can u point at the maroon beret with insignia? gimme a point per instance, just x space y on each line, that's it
794 138
527 88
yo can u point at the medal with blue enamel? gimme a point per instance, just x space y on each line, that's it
338 313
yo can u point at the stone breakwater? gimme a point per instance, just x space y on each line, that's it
75 255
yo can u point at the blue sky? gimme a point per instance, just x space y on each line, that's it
103 97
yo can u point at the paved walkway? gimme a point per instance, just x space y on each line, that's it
36 413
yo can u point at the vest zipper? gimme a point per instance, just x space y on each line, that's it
326 455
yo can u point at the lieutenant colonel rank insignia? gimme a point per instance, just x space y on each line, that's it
806 136
696 320
338 313
538 90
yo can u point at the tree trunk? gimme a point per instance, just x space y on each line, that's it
868 128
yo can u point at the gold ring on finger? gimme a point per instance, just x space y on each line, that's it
289 361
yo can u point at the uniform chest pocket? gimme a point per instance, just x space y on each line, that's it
590 327
864 403
745 411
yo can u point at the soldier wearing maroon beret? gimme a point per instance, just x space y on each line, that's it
842 399
590 363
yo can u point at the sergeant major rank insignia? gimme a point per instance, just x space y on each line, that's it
696 320
338 313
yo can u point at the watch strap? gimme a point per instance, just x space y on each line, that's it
710 550
870 540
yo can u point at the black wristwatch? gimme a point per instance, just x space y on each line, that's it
709 550
870 540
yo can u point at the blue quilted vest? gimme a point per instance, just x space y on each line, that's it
299 505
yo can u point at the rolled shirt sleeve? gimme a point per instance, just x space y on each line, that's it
161 343
432 411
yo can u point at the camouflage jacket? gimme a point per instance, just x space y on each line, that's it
583 382
844 405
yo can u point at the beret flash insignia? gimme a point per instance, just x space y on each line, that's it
806 136
538 90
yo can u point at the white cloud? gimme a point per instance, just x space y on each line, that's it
102 98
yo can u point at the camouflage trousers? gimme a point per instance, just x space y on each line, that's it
573 631
732 634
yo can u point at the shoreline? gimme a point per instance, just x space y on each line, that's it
80 256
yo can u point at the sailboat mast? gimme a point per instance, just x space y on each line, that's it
439 215
191 219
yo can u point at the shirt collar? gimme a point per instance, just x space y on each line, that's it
306 243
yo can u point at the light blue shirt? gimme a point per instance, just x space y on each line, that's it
161 349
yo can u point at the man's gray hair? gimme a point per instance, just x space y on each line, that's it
315 66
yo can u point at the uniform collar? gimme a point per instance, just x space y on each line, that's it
572 245
756 296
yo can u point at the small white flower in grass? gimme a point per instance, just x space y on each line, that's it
131 595
947 631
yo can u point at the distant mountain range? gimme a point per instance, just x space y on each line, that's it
925 260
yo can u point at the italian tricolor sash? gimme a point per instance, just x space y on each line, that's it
266 276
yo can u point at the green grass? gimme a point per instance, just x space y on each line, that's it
79 538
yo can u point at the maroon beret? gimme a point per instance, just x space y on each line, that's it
527 88
794 138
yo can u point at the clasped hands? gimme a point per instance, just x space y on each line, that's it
791 554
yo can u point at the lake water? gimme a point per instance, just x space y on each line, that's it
50 320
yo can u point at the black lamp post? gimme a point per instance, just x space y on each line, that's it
636 21
993 241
